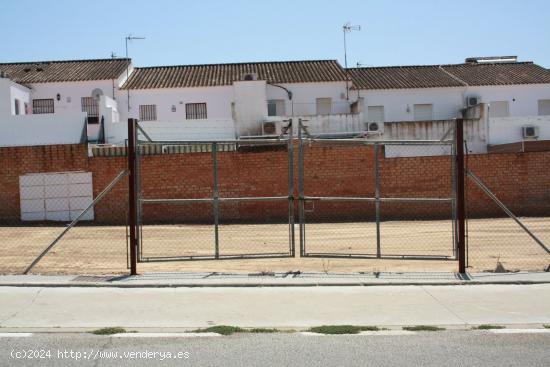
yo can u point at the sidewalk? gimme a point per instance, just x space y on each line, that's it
84 308
289 279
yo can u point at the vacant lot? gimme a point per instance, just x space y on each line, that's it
102 249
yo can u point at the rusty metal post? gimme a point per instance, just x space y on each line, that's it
460 196
132 198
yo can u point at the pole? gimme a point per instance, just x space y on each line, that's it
132 207
346 63
291 189
377 196
216 200
460 197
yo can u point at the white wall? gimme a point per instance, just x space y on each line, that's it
71 93
47 129
9 92
218 102
304 97
189 130
504 130
522 99
447 102
399 103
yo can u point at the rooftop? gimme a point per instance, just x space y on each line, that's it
210 75
64 71
453 75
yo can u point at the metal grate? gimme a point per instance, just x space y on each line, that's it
90 106
40 106
194 111
148 112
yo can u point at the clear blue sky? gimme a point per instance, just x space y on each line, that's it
395 32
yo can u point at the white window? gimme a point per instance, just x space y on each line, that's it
17 107
423 112
544 107
195 111
324 106
499 109
375 113
276 107
148 112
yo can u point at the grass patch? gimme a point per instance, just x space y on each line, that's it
488 327
221 329
109 331
335 329
546 326
423 328
261 330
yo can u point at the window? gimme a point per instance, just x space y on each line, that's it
148 112
324 106
17 107
375 113
498 109
423 112
40 106
276 107
195 111
90 105
544 107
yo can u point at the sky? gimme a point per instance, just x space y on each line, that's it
180 32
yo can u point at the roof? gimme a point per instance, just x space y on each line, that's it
456 75
211 75
64 71
402 77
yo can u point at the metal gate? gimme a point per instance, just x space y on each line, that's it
384 199
194 218
387 205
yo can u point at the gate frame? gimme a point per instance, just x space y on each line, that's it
215 200
377 199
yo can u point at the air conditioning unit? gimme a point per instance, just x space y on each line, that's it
530 132
250 76
273 128
374 127
472 101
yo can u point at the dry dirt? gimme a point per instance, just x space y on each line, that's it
102 249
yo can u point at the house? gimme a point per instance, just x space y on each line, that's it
71 90
246 93
515 94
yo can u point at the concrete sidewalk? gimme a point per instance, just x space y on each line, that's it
289 279
58 308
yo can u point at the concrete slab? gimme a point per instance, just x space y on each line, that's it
280 307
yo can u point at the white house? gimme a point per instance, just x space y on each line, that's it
247 94
69 90
516 94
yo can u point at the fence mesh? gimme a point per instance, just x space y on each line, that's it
49 202
497 242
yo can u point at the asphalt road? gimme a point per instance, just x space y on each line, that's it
446 348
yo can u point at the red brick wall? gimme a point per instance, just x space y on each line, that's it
522 181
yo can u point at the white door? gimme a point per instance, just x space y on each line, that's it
423 112
56 196
544 107
499 109
375 113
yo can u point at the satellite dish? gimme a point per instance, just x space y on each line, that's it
97 93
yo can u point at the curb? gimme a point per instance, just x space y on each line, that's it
260 285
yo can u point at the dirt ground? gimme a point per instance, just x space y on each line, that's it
102 249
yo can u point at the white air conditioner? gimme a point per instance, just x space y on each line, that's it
273 128
250 76
472 101
374 127
530 132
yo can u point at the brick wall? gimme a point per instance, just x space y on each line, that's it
522 181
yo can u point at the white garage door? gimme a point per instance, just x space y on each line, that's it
57 196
